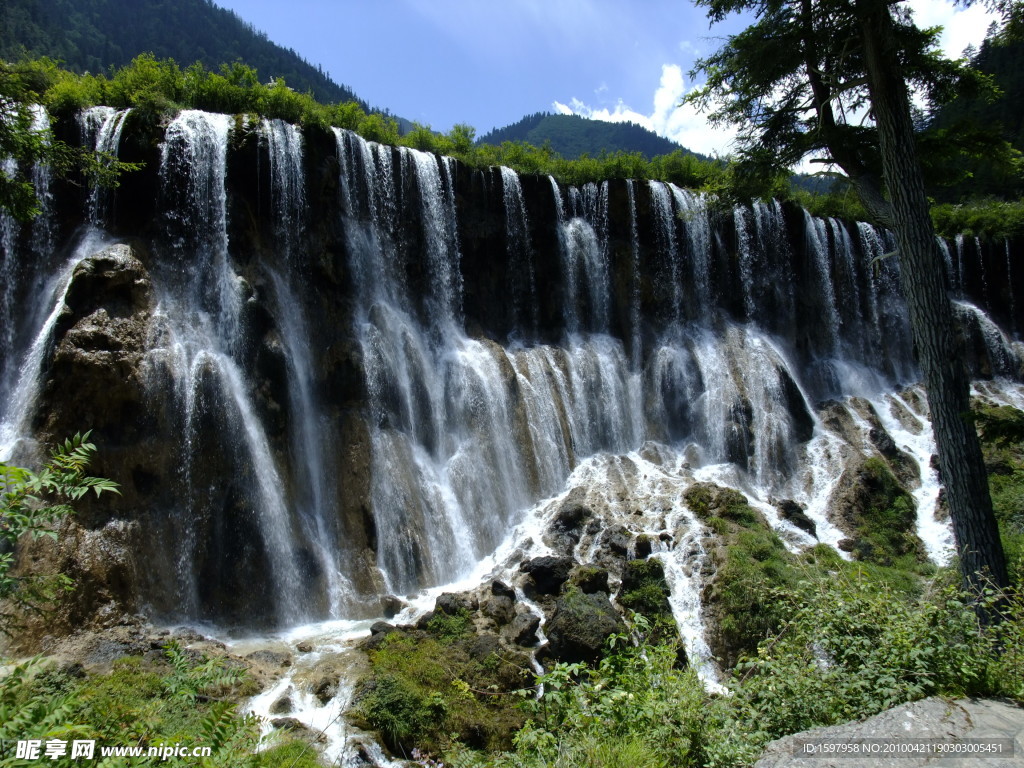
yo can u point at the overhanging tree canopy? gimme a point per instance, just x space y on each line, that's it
833 78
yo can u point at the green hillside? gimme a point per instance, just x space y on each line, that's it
572 136
1003 62
95 35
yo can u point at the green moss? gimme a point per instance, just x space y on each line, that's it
644 589
1002 433
708 501
423 690
294 753
886 523
450 627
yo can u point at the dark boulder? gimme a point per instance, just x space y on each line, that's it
523 629
792 512
499 608
644 589
580 626
548 573
501 589
590 579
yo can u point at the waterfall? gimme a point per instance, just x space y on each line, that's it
519 250
339 411
101 127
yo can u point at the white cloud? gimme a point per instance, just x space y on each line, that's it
680 124
960 26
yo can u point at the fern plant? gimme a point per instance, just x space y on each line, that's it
32 504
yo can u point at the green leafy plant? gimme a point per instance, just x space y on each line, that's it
31 505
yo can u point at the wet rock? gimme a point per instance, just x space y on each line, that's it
454 604
580 625
523 629
391 606
548 573
325 688
305 647
566 528
617 540
643 546
270 658
283 704
299 728
500 608
381 628
590 579
794 513
501 589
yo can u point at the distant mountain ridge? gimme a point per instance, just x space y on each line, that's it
573 135
95 35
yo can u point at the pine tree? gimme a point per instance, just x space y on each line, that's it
833 78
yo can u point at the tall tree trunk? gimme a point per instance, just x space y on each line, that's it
936 336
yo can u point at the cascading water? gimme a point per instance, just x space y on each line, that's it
347 416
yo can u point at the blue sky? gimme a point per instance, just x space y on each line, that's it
441 62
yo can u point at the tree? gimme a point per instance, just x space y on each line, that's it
833 77
26 139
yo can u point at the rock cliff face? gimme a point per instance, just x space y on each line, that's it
325 371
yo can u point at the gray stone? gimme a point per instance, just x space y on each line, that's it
937 720
523 629
391 606
500 608
381 628
617 540
326 688
794 513
283 705
501 589
299 727
270 658
452 604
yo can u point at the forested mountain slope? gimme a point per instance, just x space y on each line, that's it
94 35
572 136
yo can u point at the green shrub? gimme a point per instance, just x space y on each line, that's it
31 504
423 690
450 627
178 701
849 648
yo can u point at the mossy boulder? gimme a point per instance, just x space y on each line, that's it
878 513
580 625
547 574
590 578
708 501
645 590
423 687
